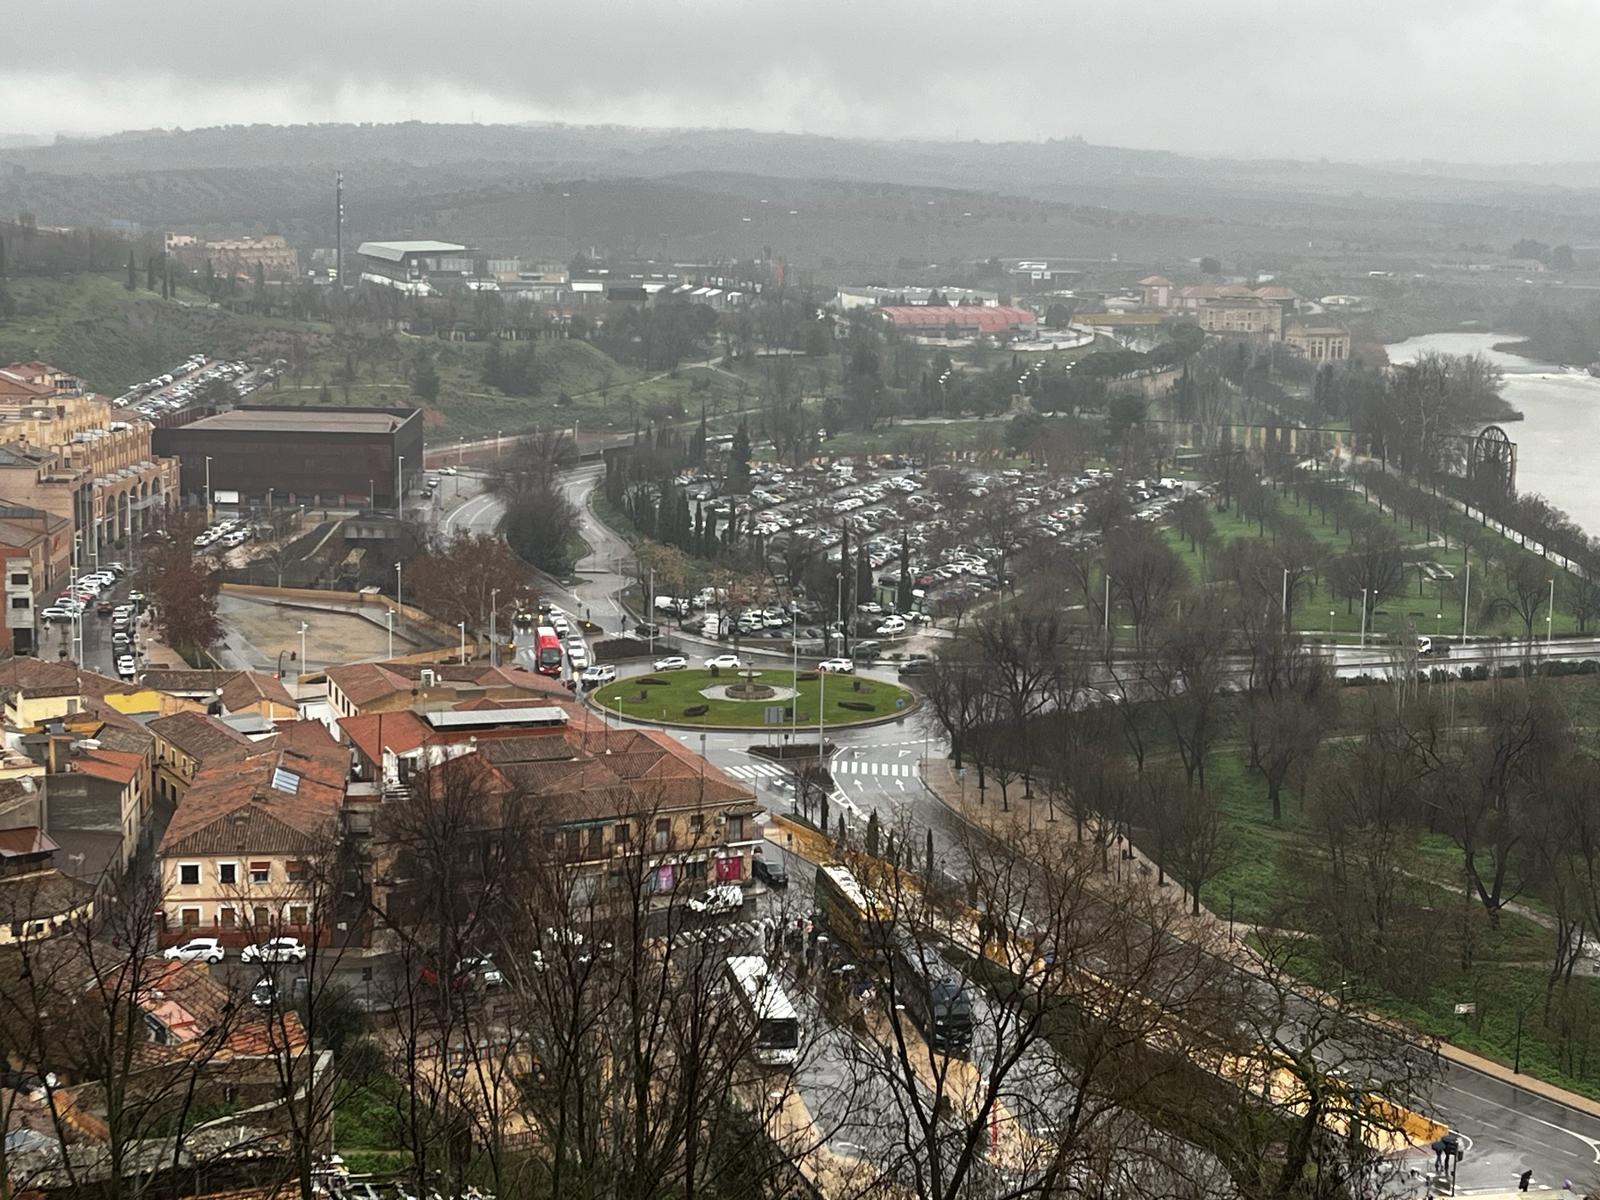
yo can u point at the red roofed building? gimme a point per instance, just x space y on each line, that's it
967 320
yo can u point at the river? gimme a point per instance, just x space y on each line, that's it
1561 411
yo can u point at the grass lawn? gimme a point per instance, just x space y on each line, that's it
679 690
1424 607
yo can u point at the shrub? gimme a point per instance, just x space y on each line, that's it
807 677
653 681
697 710
858 706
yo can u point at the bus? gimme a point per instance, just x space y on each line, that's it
771 1013
934 993
549 652
850 914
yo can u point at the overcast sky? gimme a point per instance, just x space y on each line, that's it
1464 80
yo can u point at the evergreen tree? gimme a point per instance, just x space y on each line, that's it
872 834
903 597
149 272
133 278
929 875
739 459
166 277
2 258
864 588
211 282
492 365
261 284
425 377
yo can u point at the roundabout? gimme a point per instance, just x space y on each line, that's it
753 699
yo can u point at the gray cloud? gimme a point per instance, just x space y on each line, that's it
1464 80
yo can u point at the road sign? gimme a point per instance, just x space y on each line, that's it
774 714
1466 1010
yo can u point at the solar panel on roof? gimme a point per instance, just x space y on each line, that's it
285 781
482 718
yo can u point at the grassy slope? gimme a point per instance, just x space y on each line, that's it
93 325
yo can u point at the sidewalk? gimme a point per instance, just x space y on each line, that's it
942 781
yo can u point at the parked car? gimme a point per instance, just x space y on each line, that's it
672 662
715 901
56 613
725 662
836 666
200 949
916 666
275 950
771 871
126 667
598 674
647 629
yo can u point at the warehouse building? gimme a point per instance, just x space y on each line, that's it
315 456
962 321
408 266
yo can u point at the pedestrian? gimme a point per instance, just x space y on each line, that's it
1524 1181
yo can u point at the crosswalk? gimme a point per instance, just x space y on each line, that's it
867 767
749 932
895 770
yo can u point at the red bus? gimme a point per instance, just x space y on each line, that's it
549 653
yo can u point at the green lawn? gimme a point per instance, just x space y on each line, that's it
680 690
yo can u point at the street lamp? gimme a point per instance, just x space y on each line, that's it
388 624
494 641
303 628
209 516
1550 618
400 488
462 625
399 601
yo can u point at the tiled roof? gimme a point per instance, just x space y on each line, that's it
42 895
250 687
37 676
310 738
186 682
29 839
364 683
115 765
246 807
205 739
1155 281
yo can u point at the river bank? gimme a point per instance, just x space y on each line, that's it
1561 417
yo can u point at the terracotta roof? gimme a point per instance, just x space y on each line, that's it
985 318
364 683
1277 292
42 895
115 765
205 739
186 682
250 687
310 738
39 677
276 802
29 839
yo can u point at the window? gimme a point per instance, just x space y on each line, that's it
697 869
261 917
296 871
189 918
19 579
697 824
663 833
189 874
596 839
228 873
297 914
261 872
735 829
619 833
230 919
574 840
20 603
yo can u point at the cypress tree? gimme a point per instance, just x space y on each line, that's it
133 278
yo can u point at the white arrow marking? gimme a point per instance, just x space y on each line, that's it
901 753
901 784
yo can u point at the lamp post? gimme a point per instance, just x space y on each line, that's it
1363 618
494 641
388 624
400 488
462 625
303 628
1466 596
399 600
209 516
1550 619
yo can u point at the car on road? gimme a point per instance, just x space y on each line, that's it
126 667
275 950
836 666
672 662
578 656
647 629
265 992
716 901
474 972
891 626
200 949
725 662
57 613
916 666
598 674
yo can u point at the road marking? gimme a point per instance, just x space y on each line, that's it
901 784
901 753
1592 1143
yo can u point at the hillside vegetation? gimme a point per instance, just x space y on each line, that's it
113 338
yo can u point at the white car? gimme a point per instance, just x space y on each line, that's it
836 666
200 949
598 674
275 950
672 662
57 612
126 667
725 662
724 898
891 626
578 656
870 607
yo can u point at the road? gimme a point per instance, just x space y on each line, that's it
1511 1129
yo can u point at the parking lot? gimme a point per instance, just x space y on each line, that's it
963 528
193 380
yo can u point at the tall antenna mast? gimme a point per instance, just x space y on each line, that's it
338 228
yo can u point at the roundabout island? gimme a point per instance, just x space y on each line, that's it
752 699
